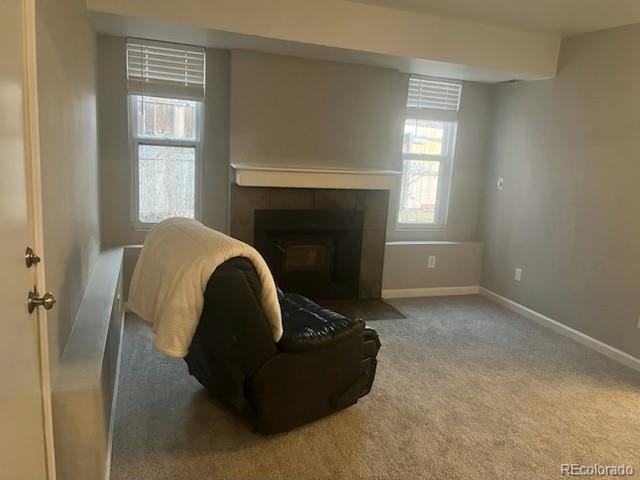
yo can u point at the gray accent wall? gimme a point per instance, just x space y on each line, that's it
312 113
569 214
115 157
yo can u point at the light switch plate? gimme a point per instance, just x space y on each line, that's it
500 183
431 262
518 274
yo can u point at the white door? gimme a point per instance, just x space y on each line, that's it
26 444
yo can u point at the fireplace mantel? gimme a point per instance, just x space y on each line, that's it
246 175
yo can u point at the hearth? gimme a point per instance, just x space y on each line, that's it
312 252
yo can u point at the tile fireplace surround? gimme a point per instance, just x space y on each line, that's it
244 201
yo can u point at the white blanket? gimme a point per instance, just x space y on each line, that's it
168 284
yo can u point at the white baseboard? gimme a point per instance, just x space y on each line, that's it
586 340
430 292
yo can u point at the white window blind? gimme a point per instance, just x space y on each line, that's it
433 94
165 69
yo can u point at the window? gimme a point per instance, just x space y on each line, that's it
166 92
427 152
166 149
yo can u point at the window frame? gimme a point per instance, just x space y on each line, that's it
135 141
445 169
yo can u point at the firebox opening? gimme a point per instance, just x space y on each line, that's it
312 252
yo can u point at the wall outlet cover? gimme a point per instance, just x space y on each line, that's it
518 274
431 262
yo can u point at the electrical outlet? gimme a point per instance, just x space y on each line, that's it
431 262
500 183
518 274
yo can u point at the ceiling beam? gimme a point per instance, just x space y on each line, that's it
364 33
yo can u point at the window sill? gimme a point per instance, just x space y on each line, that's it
143 227
397 243
420 228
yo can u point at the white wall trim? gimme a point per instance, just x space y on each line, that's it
540 319
430 292
34 191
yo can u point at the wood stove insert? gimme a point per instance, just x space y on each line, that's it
312 252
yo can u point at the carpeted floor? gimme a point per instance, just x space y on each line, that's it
367 309
465 390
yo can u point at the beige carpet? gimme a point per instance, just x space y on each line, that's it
465 390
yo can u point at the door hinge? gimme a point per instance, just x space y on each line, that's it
30 257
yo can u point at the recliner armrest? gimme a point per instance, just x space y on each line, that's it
308 326
371 343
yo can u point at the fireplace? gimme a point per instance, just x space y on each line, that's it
312 252
318 254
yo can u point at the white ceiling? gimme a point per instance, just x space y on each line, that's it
565 17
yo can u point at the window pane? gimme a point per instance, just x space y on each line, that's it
419 191
424 137
165 118
166 183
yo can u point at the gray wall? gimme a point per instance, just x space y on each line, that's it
569 214
458 264
456 247
299 112
66 51
115 159
472 142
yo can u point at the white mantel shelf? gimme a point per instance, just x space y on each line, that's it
299 177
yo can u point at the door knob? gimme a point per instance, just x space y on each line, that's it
47 300
30 257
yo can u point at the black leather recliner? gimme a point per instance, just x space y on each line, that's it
323 363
